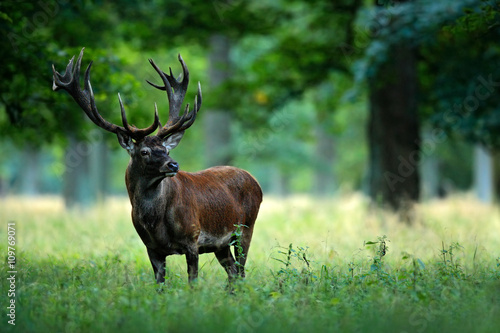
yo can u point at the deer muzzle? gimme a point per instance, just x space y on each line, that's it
170 169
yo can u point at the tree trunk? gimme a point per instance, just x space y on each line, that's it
99 164
483 174
76 187
279 184
3 187
29 180
431 186
325 155
393 131
217 121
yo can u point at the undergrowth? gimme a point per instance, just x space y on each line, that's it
90 272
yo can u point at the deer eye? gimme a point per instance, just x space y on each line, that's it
144 152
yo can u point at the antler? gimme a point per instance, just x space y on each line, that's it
70 82
176 90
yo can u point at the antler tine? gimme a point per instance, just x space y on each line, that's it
70 82
176 90
134 130
192 115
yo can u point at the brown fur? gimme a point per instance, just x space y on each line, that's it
194 213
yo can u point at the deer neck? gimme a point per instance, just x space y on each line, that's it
148 192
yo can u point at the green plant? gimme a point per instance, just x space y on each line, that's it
351 266
450 266
236 242
380 253
418 267
297 266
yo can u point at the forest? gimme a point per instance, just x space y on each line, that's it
394 99
372 127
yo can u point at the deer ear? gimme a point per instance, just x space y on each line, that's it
172 141
125 141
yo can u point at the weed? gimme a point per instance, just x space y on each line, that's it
450 266
418 268
380 253
297 266
88 273
236 242
351 267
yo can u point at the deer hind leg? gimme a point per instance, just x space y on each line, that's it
192 257
241 248
158 263
226 259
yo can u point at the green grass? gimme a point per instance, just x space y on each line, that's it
88 271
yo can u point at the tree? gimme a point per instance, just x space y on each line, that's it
467 97
218 119
393 128
390 66
483 174
215 26
465 100
37 35
303 53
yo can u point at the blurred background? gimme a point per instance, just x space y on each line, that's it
398 100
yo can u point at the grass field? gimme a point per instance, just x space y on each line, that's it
314 265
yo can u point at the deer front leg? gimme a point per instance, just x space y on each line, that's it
192 264
158 263
227 261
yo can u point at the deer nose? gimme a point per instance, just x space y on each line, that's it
173 166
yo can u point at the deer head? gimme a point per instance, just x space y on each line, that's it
149 154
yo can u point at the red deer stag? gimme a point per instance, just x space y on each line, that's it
176 212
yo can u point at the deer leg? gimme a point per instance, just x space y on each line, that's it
158 263
227 261
241 250
192 264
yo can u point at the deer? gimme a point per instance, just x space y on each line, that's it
173 211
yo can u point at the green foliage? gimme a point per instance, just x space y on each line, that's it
112 295
297 56
238 249
450 266
289 276
293 68
379 253
465 99
458 65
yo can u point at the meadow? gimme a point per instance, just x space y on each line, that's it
314 265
